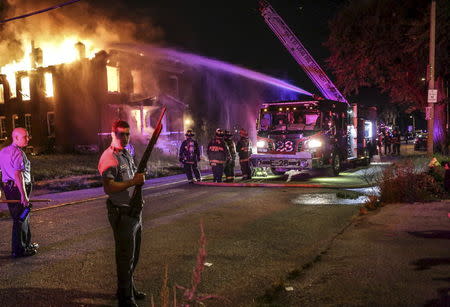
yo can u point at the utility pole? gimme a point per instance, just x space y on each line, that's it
432 95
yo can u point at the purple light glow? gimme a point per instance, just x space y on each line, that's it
196 60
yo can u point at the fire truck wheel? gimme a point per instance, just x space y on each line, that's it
336 164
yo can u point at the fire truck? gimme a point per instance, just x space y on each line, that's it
311 134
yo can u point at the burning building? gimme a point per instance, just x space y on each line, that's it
70 106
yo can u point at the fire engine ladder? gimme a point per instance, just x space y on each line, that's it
299 52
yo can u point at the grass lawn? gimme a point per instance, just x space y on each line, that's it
65 172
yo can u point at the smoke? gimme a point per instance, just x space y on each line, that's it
96 21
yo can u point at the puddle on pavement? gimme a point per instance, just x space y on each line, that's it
334 199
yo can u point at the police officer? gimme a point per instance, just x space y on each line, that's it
217 154
229 164
119 176
244 149
190 156
16 183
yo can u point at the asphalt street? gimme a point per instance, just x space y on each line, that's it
277 246
254 237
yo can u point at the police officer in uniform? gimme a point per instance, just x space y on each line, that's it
229 164
119 176
190 156
244 149
217 154
16 183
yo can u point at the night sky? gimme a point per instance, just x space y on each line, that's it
235 32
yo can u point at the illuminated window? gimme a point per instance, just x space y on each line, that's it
11 77
28 123
136 116
51 123
15 121
113 79
3 134
25 85
2 94
137 81
48 79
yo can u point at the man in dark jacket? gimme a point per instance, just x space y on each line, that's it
229 164
244 149
217 154
190 156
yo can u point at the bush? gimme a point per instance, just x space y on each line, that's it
402 182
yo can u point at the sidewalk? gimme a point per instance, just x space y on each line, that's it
396 256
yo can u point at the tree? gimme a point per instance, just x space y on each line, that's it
384 44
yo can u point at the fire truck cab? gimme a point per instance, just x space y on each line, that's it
306 135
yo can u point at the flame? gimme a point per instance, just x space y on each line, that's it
25 85
53 53
48 79
65 52
113 79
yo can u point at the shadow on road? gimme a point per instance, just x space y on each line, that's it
443 299
431 234
427 263
36 297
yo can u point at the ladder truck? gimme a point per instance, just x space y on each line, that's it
304 135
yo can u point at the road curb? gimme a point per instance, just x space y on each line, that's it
275 185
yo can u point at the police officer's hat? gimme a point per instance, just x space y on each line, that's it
219 132
189 133
243 132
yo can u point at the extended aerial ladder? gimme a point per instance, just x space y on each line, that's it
299 52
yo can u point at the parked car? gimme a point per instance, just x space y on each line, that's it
420 142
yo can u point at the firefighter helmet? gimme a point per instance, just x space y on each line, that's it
243 132
189 133
219 132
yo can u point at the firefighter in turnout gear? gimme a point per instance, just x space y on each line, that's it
189 156
244 149
230 164
217 154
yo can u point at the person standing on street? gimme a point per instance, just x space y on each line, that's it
190 155
217 154
396 139
119 176
244 149
16 183
387 143
229 164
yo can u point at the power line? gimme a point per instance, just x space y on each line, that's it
40 11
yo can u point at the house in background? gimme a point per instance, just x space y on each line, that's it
70 107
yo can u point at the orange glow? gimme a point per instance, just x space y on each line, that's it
25 84
48 79
2 93
65 51
53 53
113 79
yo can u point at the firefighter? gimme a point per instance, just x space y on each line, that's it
218 154
244 149
189 156
230 164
